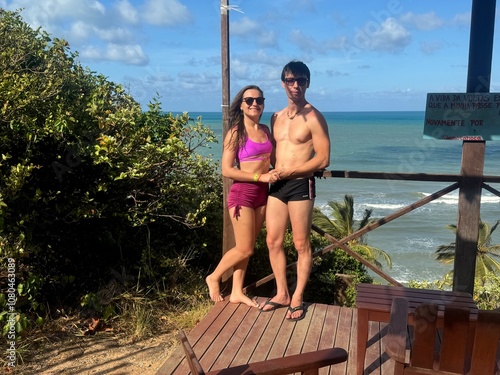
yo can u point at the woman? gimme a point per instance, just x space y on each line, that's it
247 155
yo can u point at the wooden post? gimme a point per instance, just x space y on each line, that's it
469 206
227 230
469 201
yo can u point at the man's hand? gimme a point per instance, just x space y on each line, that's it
270 177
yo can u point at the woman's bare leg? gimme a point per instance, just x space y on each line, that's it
243 227
237 295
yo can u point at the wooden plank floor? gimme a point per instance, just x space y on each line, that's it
233 334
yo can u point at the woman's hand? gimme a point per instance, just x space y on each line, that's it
270 177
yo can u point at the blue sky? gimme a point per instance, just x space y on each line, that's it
363 55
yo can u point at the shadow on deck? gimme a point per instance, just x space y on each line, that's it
233 334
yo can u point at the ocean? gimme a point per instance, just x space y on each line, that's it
393 142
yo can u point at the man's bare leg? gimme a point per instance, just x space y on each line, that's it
301 219
276 222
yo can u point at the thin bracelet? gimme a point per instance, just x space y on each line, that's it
256 177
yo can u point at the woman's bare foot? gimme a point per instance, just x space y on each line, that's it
242 298
214 289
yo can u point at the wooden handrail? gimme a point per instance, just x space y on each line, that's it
402 176
355 255
491 190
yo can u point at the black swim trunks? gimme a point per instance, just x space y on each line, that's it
300 189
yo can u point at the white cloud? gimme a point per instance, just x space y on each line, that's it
89 26
338 43
428 48
52 14
335 73
251 31
131 54
462 19
115 35
127 11
267 39
91 53
427 21
261 56
201 82
96 5
80 30
244 28
305 42
240 69
389 36
166 12
85 32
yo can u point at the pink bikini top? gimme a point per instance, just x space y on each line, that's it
253 151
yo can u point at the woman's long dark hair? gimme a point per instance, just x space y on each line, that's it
236 117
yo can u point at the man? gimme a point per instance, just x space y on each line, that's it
302 147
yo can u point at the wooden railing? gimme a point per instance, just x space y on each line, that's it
341 243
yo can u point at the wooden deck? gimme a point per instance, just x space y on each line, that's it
236 334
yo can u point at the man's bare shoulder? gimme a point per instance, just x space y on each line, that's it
314 111
278 115
314 116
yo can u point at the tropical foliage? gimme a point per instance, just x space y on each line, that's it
93 189
487 256
343 224
486 289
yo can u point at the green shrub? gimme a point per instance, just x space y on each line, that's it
93 188
486 290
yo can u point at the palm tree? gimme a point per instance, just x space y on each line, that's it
342 225
486 257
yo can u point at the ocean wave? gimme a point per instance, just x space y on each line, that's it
422 242
453 198
383 206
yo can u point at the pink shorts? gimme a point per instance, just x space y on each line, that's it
247 194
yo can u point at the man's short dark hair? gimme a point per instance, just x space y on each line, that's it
297 69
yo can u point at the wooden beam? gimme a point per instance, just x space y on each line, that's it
227 230
469 209
469 199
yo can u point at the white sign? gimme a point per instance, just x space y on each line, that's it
462 116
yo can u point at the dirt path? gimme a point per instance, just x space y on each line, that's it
103 353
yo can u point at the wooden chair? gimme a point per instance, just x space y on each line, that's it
461 347
305 363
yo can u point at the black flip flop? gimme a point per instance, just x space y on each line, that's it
274 305
297 308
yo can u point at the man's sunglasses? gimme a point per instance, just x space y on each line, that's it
259 100
291 81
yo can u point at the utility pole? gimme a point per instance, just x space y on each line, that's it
469 200
228 241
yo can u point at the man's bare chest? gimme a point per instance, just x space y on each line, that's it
290 132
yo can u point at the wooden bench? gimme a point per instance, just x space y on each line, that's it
460 347
374 304
305 363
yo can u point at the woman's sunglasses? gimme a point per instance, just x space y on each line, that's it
259 100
